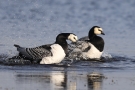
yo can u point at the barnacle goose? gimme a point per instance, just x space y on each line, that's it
90 47
47 54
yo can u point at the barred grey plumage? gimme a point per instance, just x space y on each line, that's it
76 48
84 38
90 46
34 53
48 54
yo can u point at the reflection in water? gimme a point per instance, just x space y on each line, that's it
77 81
49 80
57 81
95 81
60 81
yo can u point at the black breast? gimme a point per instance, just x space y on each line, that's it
98 42
63 44
65 47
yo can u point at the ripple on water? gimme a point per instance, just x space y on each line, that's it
115 62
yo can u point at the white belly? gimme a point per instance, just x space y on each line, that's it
58 55
93 53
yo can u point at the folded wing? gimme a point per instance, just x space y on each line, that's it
34 53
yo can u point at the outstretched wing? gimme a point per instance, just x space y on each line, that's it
81 45
77 48
34 53
84 38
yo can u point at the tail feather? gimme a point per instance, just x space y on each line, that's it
16 45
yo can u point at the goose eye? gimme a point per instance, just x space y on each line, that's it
99 30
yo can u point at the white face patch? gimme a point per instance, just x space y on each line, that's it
72 38
97 30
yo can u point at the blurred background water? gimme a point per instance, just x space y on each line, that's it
31 23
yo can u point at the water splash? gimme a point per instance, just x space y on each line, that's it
107 61
106 55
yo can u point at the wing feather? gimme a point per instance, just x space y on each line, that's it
35 53
82 45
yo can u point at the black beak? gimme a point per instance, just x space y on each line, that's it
102 33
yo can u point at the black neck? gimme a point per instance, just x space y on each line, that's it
98 42
61 40
91 34
63 44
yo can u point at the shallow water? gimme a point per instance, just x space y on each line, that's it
31 23
67 79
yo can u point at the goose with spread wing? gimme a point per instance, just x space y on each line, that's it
90 47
